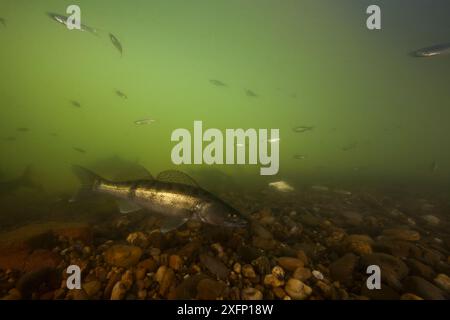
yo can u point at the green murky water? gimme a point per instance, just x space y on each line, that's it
311 63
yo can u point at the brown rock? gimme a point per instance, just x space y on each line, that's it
149 265
410 296
343 268
175 262
215 266
208 289
385 293
251 294
358 244
420 269
289 263
166 282
402 234
248 271
423 288
123 255
92 288
301 255
393 270
302 274
119 291
297 290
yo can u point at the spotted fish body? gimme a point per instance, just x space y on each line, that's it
177 202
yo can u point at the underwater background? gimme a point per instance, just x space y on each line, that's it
378 118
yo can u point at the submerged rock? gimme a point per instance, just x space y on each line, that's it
343 268
215 266
402 234
251 294
393 269
297 290
123 255
443 282
423 288
289 263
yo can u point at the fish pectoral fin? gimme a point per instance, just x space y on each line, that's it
126 206
169 224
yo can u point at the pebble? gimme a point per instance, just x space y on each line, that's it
423 288
139 239
215 266
443 282
318 275
393 268
219 249
251 294
302 274
123 255
119 291
237 268
92 288
279 292
273 281
343 268
433 220
297 290
142 294
410 296
175 262
402 234
289 263
208 289
248 271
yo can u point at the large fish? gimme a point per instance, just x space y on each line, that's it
436 50
178 202
63 20
23 181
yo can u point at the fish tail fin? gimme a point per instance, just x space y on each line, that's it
88 181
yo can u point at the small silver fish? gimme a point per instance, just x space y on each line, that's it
63 20
299 157
116 43
301 129
436 50
142 122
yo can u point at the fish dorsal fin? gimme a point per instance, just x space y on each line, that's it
177 177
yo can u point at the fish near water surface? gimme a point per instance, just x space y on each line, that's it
177 202
116 43
436 50
63 20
